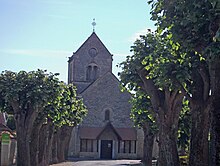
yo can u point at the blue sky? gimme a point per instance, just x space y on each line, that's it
42 34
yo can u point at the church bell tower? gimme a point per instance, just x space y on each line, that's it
90 62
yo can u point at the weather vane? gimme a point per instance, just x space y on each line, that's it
93 24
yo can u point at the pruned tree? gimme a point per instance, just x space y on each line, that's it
196 26
39 102
27 93
146 68
144 117
59 116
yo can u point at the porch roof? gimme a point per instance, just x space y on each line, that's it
95 132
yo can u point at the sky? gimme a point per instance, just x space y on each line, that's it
42 34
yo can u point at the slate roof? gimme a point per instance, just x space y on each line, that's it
95 132
108 74
90 38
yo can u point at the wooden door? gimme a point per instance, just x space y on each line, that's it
106 149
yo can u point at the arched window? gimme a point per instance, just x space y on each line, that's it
92 72
95 72
107 114
88 73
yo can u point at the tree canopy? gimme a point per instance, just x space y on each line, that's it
195 25
33 96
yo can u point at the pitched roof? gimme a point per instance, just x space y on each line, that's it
127 133
107 128
96 132
108 74
92 37
89 132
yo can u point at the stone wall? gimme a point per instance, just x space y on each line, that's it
105 94
84 56
100 96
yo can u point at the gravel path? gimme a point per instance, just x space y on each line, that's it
101 163
64 164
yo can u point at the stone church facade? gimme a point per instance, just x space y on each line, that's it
107 131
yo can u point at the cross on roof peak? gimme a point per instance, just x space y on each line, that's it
93 24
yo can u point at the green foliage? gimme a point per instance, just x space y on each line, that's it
38 89
164 60
184 160
129 75
28 89
184 127
166 64
142 111
193 23
67 108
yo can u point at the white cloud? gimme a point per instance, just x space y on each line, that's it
141 32
37 53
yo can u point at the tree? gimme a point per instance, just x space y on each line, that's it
62 114
142 70
27 93
196 26
144 117
184 128
74 110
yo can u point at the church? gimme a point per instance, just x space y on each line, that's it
107 132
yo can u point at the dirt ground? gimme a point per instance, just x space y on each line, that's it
101 163
64 164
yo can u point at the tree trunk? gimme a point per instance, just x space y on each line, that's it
46 138
64 138
69 134
24 124
200 110
23 149
199 145
216 133
34 144
48 154
43 143
167 104
59 148
212 158
168 154
148 146
215 88
24 120
54 159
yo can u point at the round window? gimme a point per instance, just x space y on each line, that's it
93 52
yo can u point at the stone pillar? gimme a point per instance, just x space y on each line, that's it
5 149
140 143
12 155
71 150
155 153
74 146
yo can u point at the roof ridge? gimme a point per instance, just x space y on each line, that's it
93 33
100 79
109 125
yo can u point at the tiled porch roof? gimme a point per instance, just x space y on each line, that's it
94 133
